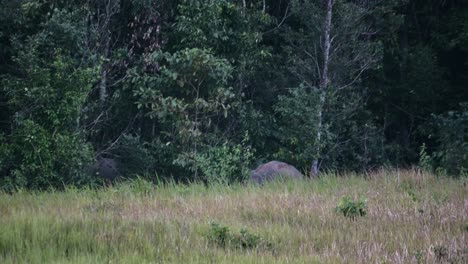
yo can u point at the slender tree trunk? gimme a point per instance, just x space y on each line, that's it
324 82
110 9
314 170
103 85
195 141
326 45
106 51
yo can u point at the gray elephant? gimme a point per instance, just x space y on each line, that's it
105 168
273 170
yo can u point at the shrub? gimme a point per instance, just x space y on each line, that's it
425 160
221 236
227 163
350 208
135 157
33 158
419 256
45 147
451 154
248 240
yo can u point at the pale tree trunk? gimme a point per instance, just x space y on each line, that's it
104 72
196 131
111 8
103 84
324 82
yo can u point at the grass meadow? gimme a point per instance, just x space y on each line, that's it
411 217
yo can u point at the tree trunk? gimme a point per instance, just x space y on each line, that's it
106 41
195 141
103 85
110 9
324 82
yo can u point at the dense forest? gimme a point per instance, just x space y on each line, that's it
204 90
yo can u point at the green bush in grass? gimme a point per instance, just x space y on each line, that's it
350 208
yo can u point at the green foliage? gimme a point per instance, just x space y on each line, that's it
208 23
44 146
223 27
188 98
351 208
185 79
348 139
410 187
222 236
218 234
452 136
304 35
136 157
247 240
419 256
298 120
234 33
353 140
425 160
37 159
50 93
192 85
227 163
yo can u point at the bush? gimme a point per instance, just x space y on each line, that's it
451 154
218 234
135 157
297 114
221 236
350 208
425 160
44 147
33 158
227 163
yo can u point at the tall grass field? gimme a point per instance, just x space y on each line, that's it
384 217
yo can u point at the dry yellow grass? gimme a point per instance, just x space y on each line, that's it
411 217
